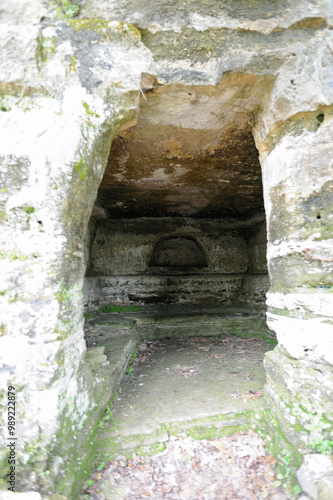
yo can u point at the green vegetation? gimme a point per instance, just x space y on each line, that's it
103 28
120 309
131 363
323 446
81 168
89 315
88 110
64 296
4 104
29 210
67 10
107 419
73 63
13 256
46 46
242 332
91 114
317 427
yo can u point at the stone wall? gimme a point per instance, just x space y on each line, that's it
58 119
217 265
293 138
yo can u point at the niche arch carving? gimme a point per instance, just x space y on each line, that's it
178 251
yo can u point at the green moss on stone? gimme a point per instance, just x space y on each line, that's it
46 46
72 64
3 329
80 168
294 271
288 456
88 110
5 104
113 31
13 255
120 309
29 210
64 296
67 10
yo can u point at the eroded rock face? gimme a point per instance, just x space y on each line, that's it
191 153
57 123
177 260
213 75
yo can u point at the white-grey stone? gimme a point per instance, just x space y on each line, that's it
324 488
314 468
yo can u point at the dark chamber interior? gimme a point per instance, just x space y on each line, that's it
179 216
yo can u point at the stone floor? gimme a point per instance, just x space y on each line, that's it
198 370
185 373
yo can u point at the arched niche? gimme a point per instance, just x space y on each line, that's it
178 251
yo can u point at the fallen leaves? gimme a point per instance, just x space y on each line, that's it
218 444
225 468
251 395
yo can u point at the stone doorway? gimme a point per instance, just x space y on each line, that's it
187 166
179 215
178 249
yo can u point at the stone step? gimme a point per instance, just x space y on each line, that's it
149 327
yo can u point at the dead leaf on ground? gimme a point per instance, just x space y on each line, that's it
252 395
142 358
225 341
218 444
269 459
270 474
188 371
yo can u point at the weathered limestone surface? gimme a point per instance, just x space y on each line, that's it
316 476
178 289
125 247
67 86
202 162
197 42
297 175
123 253
62 101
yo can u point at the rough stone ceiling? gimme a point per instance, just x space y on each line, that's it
191 153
